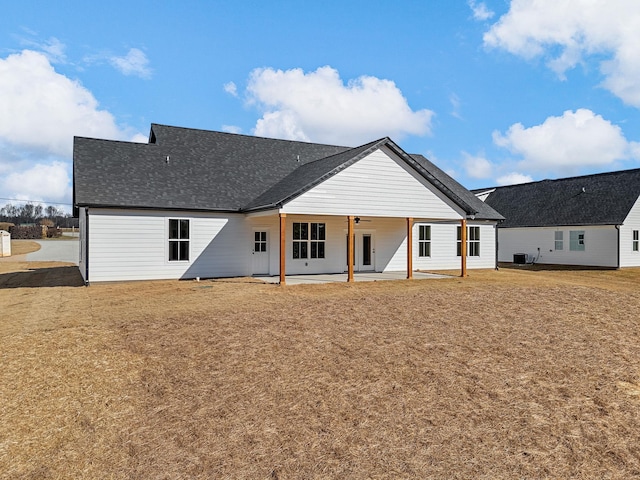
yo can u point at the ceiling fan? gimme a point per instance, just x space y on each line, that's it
358 220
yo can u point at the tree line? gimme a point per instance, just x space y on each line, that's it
35 213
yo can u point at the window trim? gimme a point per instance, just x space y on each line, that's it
424 244
261 243
558 242
577 241
309 243
179 240
635 240
473 241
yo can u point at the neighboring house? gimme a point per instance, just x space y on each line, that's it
195 203
592 220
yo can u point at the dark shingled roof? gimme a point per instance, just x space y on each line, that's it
206 170
189 169
600 199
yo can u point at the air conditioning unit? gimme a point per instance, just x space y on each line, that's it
520 258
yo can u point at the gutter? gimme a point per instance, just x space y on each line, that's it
169 209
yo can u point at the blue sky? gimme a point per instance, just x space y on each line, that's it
494 92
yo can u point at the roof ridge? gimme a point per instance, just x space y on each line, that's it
218 132
93 139
367 145
575 177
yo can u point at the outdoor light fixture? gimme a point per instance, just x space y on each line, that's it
357 219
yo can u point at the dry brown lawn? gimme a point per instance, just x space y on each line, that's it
509 374
22 247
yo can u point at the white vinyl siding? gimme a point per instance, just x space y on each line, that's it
133 245
628 256
379 185
600 245
444 246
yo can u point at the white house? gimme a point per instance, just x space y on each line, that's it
195 203
591 220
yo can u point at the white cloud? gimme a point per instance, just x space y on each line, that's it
318 106
578 29
480 10
40 113
514 178
42 109
477 166
135 62
567 143
42 182
231 88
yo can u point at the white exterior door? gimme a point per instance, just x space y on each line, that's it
364 253
260 252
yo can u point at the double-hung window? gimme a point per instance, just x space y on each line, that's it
636 241
473 241
309 240
559 240
178 240
424 241
576 240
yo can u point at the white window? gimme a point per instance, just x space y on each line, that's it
307 245
473 241
424 241
576 240
559 239
178 240
636 240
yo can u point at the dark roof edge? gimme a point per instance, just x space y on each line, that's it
171 209
575 177
602 224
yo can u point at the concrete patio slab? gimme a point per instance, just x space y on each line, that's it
342 277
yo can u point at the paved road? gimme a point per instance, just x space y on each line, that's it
56 251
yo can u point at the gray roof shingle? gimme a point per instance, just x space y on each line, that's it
206 170
191 169
599 199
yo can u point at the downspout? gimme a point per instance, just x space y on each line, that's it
618 229
495 227
86 246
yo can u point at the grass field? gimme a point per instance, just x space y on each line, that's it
510 374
